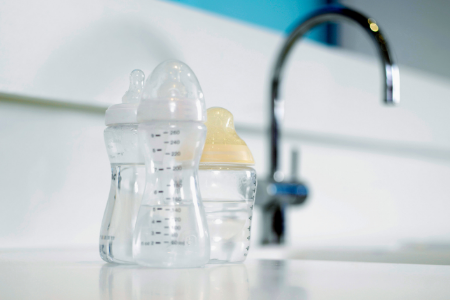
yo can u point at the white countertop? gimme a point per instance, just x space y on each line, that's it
81 274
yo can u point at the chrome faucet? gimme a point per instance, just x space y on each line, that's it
275 194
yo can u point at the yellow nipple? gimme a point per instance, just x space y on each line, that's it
223 145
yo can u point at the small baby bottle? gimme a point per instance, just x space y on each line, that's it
171 229
228 186
127 175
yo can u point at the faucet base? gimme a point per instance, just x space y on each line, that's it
273 223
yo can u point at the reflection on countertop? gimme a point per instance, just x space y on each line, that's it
212 282
81 274
407 253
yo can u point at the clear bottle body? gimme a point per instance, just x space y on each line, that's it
228 193
127 187
171 229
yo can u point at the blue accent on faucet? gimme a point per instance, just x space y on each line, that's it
292 189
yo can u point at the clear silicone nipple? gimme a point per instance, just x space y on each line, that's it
126 112
133 95
172 92
223 145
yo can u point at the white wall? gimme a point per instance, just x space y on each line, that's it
378 175
55 176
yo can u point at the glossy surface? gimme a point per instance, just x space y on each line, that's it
81 274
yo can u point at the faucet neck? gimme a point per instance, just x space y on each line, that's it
330 13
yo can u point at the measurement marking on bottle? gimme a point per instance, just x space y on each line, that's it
158 135
166 234
158 149
178 183
159 208
166 226
158 243
160 193
107 237
168 168
158 232
158 221
166 142
161 169
165 132
166 242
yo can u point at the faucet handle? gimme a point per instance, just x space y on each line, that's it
273 196
293 191
288 192
294 164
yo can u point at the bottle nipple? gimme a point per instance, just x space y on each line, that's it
126 112
172 92
133 95
223 144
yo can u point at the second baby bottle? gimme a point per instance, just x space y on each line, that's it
127 175
171 229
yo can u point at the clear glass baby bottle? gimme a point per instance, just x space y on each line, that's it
228 186
127 175
171 229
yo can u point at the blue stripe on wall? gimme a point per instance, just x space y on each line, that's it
279 15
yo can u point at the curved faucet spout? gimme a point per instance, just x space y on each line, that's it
327 14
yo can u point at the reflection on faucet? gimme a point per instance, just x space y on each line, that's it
135 282
274 194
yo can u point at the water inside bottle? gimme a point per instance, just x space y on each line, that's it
116 234
229 224
168 234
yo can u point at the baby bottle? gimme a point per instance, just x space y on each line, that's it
171 229
127 175
228 186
